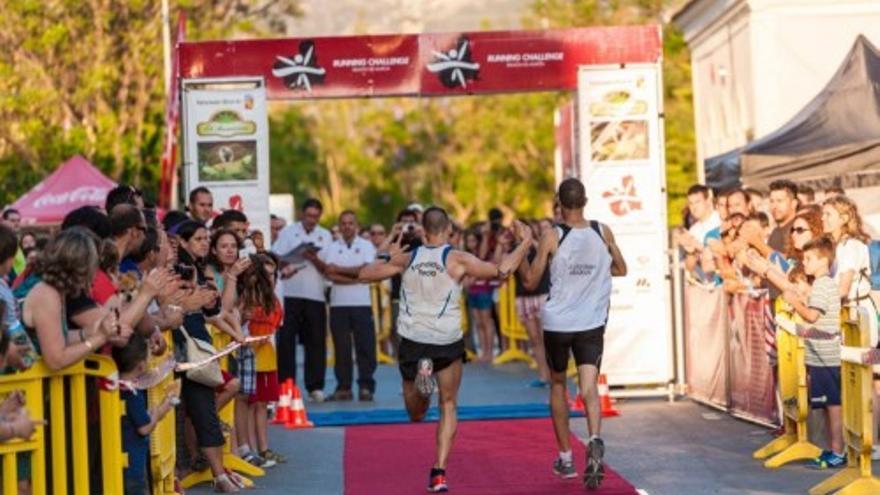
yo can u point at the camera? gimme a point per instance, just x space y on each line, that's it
186 272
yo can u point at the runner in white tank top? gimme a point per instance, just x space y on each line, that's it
430 321
430 310
582 257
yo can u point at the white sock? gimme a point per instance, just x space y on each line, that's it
244 450
565 456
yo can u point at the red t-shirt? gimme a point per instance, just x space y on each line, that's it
102 287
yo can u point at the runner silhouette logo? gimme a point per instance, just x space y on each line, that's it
300 71
455 66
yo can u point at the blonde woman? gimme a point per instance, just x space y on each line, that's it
840 219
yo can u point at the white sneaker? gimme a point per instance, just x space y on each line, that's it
316 396
875 453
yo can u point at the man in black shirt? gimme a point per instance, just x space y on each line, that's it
783 208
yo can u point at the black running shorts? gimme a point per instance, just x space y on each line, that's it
586 346
410 352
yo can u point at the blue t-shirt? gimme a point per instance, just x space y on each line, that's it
134 444
128 265
10 315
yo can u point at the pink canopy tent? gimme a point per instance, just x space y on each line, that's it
74 184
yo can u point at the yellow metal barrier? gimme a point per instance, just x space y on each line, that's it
227 415
794 444
856 382
70 463
380 294
163 439
511 327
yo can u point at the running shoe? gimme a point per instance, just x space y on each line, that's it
539 384
425 378
828 459
340 396
437 481
595 472
564 470
275 456
316 396
259 461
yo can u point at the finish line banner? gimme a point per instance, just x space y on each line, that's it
421 64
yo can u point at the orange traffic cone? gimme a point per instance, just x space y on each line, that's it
282 411
605 399
298 417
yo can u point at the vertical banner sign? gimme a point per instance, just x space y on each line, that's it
226 147
565 154
621 161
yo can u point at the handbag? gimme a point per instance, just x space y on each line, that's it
197 350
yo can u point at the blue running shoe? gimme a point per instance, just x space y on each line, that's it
828 459
538 384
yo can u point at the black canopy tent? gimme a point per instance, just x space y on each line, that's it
833 140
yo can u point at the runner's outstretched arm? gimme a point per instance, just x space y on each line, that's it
380 270
531 272
477 268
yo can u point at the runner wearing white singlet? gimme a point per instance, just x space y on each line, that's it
429 323
583 257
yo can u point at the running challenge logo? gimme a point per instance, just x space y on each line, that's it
623 199
455 66
300 71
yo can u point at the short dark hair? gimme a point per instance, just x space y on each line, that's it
195 192
89 217
10 211
698 189
173 218
785 185
8 243
407 213
496 214
751 191
124 217
572 194
823 245
435 220
223 220
829 190
312 203
150 244
188 229
121 195
132 354
348 212
807 191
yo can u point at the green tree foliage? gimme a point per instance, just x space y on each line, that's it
86 76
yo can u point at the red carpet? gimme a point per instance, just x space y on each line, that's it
512 457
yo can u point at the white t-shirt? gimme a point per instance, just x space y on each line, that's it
340 253
308 283
853 255
701 228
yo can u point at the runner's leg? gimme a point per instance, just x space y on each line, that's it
588 376
416 404
448 381
559 410
533 327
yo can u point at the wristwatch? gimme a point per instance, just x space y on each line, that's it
384 257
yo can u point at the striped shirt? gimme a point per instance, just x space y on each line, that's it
825 299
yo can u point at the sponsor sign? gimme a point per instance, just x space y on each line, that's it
226 145
421 64
620 151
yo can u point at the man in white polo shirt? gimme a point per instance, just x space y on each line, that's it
351 312
305 312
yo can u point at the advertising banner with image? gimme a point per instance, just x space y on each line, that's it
620 149
226 145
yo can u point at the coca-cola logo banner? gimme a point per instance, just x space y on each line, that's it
80 195
421 64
